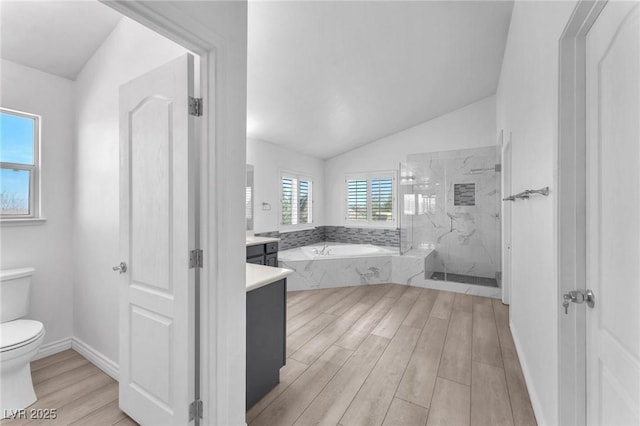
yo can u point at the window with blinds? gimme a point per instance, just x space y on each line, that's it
370 199
296 200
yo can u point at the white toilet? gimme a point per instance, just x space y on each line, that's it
20 340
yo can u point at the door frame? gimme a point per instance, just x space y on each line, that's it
571 214
506 155
221 136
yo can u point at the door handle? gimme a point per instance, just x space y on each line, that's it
578 296
122 268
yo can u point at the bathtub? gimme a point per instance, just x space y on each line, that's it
332 251
342 265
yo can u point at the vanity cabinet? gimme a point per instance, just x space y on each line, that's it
263 254
266 339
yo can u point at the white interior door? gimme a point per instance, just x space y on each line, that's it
156 234
613 215
506 222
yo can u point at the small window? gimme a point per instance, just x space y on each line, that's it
19 134
370 199
296 201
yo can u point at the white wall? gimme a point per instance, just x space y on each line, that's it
268 160
128 52
527 102
473 126
46 246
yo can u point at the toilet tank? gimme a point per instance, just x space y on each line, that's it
14 293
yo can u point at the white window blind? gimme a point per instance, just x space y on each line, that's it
370 199
382 199
297 200
357 199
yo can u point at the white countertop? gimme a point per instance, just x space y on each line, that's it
260 275
254 241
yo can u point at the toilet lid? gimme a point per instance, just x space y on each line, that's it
18 333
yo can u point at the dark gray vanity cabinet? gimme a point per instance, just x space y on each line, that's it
266 338
263 254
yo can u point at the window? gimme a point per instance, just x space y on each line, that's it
19 134
296 200
370 199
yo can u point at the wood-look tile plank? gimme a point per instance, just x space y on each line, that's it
294 297
442 307
107 415
306 332
388 326
367 322
419 313
66 379
86 404
489 396
49 360
372 401
403 413
127 421
312 350
346 303
485 343
333 401
451 404
312 312
288 374
395 291
420 377
53 370
456 356
310 302
463 302
288 406
518 393
507 345
501 312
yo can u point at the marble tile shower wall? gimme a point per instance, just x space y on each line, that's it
336 234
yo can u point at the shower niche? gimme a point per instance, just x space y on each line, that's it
450 204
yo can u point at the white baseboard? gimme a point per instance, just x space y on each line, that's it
533 395
53 348
99 360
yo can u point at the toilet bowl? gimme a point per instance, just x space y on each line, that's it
20 340
19 343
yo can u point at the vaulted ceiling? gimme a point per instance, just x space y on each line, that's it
324 77
57 37
327 77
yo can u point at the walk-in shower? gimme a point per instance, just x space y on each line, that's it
450 203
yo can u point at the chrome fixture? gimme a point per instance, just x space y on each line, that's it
326 251
578 296
122 268
524 195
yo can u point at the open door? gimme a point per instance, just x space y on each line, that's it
157 230
613 212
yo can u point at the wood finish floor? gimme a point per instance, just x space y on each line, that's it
79 391
396 355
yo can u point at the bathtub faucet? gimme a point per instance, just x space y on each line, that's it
326 251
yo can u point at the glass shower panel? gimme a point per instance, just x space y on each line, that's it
452 206
473 207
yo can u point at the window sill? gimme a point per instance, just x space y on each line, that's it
294 229
31 221
370 225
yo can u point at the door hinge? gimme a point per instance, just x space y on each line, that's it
195 410
196 258
195 106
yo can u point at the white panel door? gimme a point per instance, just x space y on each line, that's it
506 222
613 216
156 235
